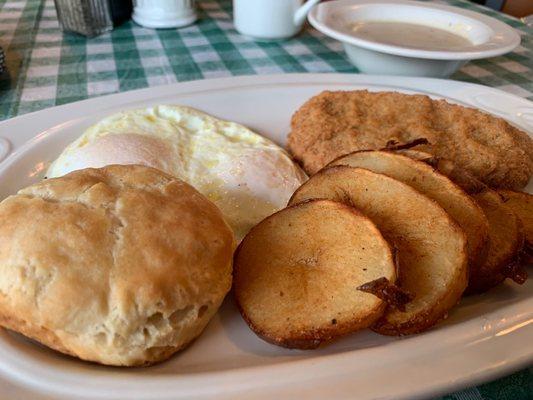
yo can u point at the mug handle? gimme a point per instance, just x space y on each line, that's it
301 13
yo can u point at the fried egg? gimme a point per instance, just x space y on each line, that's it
246 175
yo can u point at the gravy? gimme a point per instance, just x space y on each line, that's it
409 35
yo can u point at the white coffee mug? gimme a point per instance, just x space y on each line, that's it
164 13
270 19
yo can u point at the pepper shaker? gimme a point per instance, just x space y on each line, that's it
92 17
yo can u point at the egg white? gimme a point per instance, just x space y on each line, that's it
246 175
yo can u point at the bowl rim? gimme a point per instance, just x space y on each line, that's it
509 38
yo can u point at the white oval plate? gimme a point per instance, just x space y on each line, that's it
485 337
490 37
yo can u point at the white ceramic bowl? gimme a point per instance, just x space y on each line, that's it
489 37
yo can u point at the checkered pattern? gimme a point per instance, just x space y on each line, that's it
47 68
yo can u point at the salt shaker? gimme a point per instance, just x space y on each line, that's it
92 17
164 13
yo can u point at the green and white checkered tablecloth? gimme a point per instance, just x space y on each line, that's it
47 68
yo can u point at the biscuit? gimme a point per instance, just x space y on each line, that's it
123 265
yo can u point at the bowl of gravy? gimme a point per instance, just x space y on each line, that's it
402 37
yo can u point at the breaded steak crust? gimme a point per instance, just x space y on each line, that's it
335 123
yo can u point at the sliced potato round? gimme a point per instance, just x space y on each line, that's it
506 242
459 176
432 247
506 234
436 186
522 205
296 274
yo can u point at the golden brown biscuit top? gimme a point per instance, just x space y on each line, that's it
101 251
